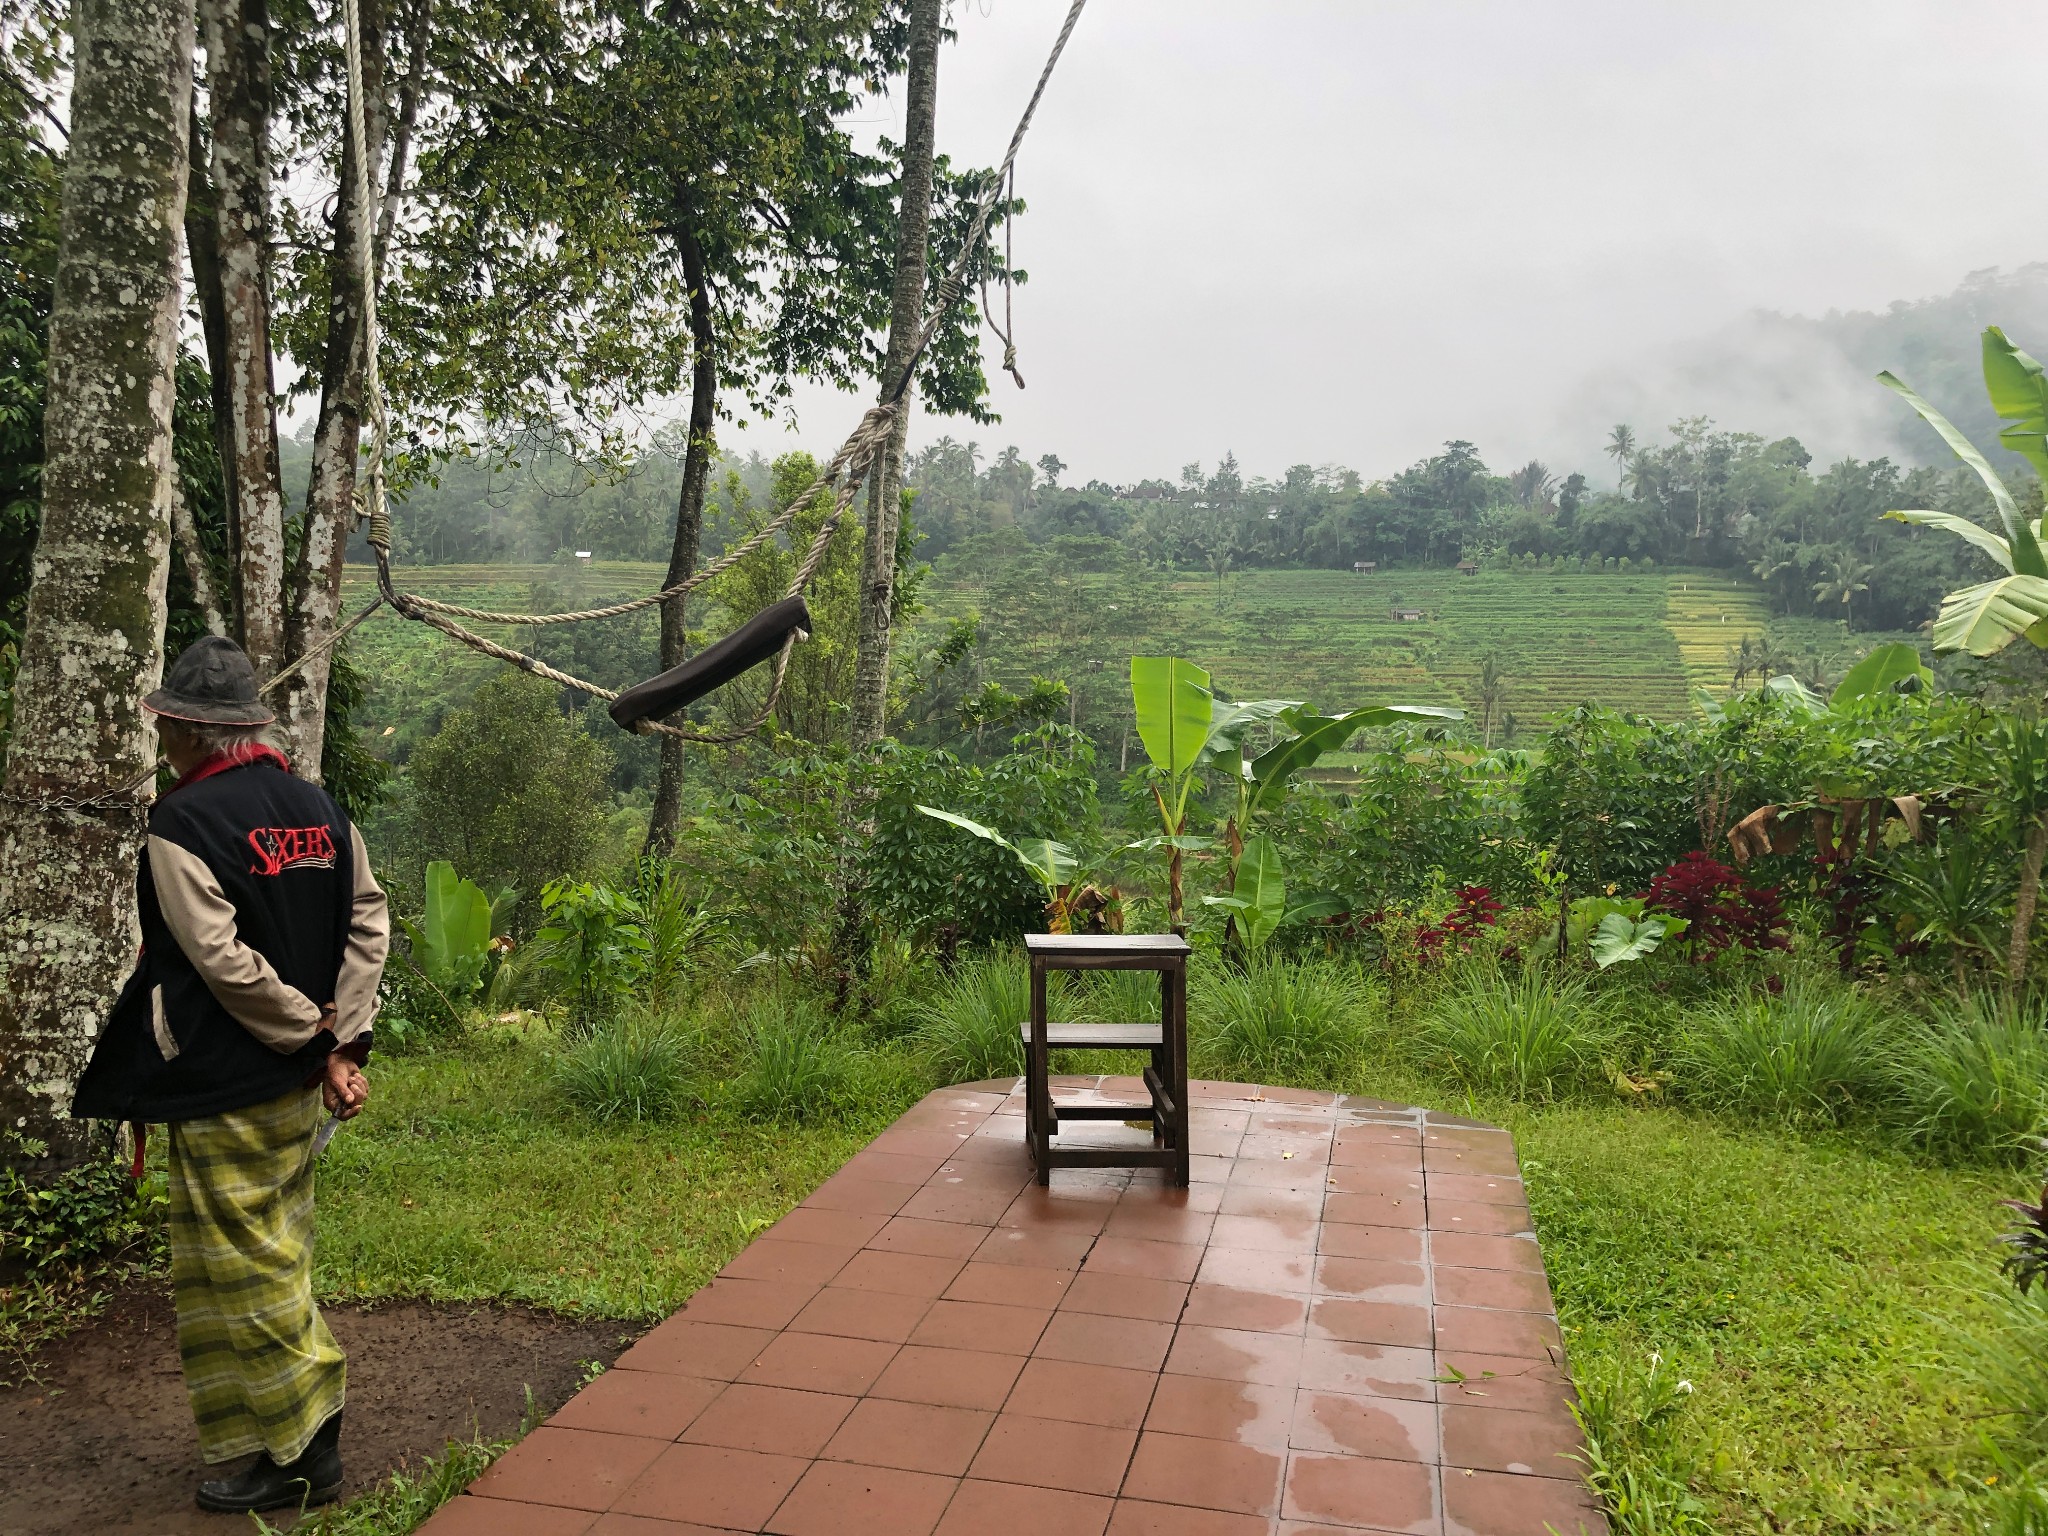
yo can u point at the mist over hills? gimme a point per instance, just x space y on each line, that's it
1815 378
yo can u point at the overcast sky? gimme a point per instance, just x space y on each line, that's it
1330 230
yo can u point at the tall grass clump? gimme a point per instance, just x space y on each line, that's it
1634 1458
629 1068
1808 1054
1278 1020
1528 1033
1974 1082
796 1069
1119 997
968 1027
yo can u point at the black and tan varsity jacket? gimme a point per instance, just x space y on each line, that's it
259 912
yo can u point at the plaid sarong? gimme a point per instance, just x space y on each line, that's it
262 1369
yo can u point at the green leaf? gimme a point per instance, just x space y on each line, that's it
2019 393
1962 528
1588 912
1315 909
2027 558
1262 886
988 834
1620 938
1985 619
1317 734
1709 706
1229 722
1186 842
1880 672
1173 704
452 943
1053 863
1795 693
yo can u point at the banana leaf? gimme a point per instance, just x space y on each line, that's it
2019 393
1986 618
1174 708
1881 672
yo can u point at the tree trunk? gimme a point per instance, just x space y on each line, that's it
237 34
93 641
202 254
906 315
315 593
667 813
2029 894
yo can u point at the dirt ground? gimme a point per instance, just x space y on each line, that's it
102 1442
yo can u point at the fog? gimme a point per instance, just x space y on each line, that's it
1317 232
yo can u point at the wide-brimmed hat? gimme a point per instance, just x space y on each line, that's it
211 683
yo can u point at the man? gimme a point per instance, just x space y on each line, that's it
263 940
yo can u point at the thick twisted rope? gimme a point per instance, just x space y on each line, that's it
849 467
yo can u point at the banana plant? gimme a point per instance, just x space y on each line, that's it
452 941
1176 714
1989 616
1051 864
1256 898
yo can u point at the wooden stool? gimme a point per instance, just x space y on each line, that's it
1166 1076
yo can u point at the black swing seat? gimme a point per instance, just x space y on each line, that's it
752 643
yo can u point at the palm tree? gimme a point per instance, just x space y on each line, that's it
1492 689
1846 575
1621 447
1745 659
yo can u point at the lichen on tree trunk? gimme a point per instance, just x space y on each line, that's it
92 643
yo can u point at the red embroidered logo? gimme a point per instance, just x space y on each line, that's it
281 848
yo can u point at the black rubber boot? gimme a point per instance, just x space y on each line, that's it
315 1478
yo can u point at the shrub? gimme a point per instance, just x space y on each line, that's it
595 944
628 1070
1810 1052
938 885
413 1013
969 1026
797 1070
1976 1082
508 790
1279 1020
70 1218
1528 1033
1720 908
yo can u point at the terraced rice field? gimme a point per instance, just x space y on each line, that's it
1562 638
1634 640
1710 614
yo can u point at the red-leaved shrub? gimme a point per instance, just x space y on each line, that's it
1721 909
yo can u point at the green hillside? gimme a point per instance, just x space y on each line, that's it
1634 640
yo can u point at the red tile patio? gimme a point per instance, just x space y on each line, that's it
1342 1325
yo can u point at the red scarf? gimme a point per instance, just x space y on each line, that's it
234 757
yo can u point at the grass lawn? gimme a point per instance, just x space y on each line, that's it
1802 1284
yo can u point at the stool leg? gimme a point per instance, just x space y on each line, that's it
1176 1033
1038 1078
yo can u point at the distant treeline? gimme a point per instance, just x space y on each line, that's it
1816 538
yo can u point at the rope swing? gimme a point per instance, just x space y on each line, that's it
774 631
